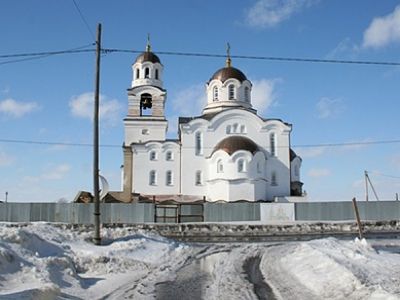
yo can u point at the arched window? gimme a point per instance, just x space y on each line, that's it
247 94
153 155
274 180
147 73
199 178
137 73
242 129
152 178
168 156
241 166
259 168
156 74
296 170
215 93
199 143
168 178
272 143
220 166
228 129
235 128
231 92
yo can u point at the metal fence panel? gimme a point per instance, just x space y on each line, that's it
343 211
76 213
79 213
225 212
277 212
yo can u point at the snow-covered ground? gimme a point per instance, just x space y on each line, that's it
43 261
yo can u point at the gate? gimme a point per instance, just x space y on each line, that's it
178 213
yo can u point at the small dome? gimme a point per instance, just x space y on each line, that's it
227 73
234 143
147 56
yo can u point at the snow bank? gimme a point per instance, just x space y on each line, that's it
42 261
333 269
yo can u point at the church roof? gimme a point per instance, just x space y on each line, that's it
293 155
147 56
234 143
228 72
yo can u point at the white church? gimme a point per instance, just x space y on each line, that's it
227 153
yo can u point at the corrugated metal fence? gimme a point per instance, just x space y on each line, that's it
77 213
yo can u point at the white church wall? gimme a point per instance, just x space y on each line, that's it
143 165
222 98
256 130
151 79
143 131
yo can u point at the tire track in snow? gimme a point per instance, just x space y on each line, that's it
251 266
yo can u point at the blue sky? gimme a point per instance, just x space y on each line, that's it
49 99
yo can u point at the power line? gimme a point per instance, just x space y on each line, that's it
272 58
118 146
347 144
385 175
32 142
83 19
74 50
40 55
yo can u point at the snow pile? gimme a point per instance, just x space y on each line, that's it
42 261
333 269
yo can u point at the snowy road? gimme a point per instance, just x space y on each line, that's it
40 261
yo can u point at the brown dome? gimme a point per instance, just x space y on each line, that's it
234 143
227 73
147 56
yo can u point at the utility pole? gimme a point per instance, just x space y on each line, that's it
368 180
6 196
366 185
97 238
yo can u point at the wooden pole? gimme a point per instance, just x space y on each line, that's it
360 233
97 238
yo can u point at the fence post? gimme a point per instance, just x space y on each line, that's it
360 233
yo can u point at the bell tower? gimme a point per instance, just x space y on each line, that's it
145 120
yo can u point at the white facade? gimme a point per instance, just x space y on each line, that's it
227 153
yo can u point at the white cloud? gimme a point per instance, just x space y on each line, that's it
329 107
57 172
317 173
345 47
82 106
16 108
269 13
190 101
383 30
6 90
6 159
187 102
395 160
263 94
310 152
355 145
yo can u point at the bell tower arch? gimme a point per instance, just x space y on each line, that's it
145 120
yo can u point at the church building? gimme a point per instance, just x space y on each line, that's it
227 153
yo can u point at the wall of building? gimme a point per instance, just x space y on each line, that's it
216 130
143 165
